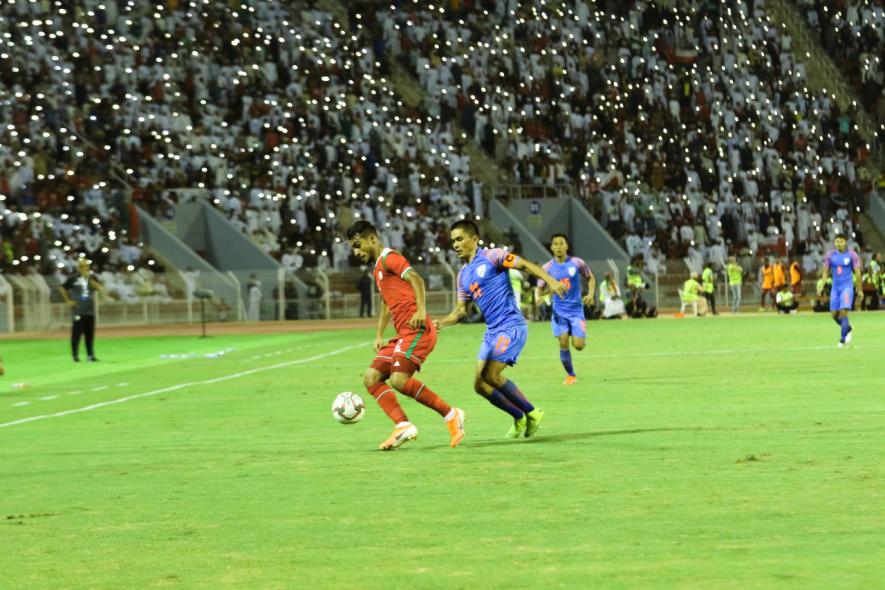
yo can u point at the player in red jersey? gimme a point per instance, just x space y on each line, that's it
402 292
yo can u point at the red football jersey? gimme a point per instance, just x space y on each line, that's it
390 273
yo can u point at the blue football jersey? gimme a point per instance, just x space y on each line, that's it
842 265
568 272
485 281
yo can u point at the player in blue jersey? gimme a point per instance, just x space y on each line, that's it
568 310
843 266
484 280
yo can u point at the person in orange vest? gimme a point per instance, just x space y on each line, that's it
795 278
767 275
780 275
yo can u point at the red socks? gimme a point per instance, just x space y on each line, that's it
423 395
386 398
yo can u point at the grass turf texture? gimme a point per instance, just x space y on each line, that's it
727 452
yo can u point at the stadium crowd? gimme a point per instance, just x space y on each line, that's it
688 131
853 32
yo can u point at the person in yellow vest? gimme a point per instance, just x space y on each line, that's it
796 278
691 291
785 301
709 287
735 282
767 277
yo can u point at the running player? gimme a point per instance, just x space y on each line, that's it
568 311
402 293
484 279
844 266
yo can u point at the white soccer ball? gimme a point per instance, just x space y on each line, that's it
348 408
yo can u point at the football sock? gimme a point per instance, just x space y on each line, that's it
565 357
515 396
846 327
386 398
423 395
497 399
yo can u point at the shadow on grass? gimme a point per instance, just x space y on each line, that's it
574 436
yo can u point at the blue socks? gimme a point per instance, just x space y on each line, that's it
498 400
846 327
565 357
515 396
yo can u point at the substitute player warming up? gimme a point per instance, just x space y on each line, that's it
484 280
402 292
843 266
568 311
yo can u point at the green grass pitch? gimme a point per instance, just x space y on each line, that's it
715 453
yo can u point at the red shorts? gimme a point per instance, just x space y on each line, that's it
405 353
796 289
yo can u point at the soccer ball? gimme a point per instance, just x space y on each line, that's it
348 408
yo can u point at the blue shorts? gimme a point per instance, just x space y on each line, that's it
841 297
503 344
574 325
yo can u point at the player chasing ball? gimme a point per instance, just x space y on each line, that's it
402 294
844 267
484 280
568 320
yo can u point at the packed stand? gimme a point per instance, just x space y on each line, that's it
853 33
285 118
689 132
56 203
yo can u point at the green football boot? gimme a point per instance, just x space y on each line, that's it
517 429
533 422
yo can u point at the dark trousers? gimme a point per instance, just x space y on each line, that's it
84 326
366 304
711 301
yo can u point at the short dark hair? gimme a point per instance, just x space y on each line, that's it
361 228
563 236
841 235
467 226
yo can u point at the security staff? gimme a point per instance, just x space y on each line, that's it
79 292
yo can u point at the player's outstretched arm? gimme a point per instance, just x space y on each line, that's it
591 289
420 315
454 316
383 320
538 272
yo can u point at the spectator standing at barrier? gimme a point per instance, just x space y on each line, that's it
709 287
735 281
365 288
79 292
253 287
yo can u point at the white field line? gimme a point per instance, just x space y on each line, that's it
20 404
48 397
100 388
182 386
591 356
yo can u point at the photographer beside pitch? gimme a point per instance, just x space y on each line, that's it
484 279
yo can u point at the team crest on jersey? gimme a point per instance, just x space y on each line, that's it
571 271
481 271
846 261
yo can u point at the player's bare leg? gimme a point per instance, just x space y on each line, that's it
493 375
454 417
404 431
